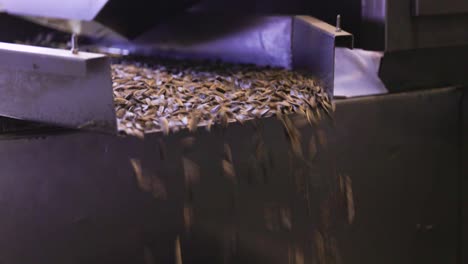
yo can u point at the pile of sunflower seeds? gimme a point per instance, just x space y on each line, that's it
172 95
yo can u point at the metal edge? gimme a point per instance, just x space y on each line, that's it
463 186
45 60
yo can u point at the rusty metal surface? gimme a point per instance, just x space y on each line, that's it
73 197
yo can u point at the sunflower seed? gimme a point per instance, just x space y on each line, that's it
228 169
322 138
158 188
227 152
188 216
164 95
178 251
349 199
191 171
188 142
164 125
312 148
143 182
320 248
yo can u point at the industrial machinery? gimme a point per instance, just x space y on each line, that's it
381 179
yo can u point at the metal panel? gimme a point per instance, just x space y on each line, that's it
437 7
403 161
80 203
293 42
56 87
261 40
44 60
77 200
394 20
424 68
420 52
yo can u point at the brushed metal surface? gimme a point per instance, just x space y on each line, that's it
74 198
56 87
293 42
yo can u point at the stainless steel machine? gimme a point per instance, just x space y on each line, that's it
384 181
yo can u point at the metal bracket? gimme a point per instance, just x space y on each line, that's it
313 48
56 87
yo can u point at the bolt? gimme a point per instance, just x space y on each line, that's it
338 23
74 44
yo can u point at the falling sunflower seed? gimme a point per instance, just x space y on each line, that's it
188 142
285 216
350 199
228 152
341 184
299 256
320 248
322 138
178 251
312 148
228 169
188 216
143 182
162 149
158 188
293 135
191 171
164 123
